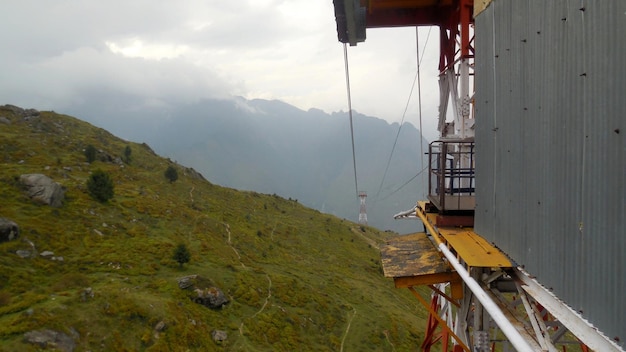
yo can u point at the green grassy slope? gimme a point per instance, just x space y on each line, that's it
297 279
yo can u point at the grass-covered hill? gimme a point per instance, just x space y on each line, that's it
296 279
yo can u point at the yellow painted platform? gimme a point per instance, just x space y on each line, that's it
413 260
411 255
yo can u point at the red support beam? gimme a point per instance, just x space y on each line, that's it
403 17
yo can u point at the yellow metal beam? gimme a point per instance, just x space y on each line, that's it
470 247
473 249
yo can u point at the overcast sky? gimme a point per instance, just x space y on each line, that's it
169 52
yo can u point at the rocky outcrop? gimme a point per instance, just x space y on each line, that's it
43 189
219 335
25 113
194 174
202 291
211 297
8 230
187 281
49 338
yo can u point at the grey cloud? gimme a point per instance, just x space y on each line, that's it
61 80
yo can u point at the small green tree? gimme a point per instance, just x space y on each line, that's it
127 153
100 186
90 153
181 254
171 174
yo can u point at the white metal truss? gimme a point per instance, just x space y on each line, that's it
540 320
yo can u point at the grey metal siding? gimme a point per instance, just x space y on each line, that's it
551 147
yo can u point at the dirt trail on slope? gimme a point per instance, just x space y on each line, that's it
269 280
230 244
347 330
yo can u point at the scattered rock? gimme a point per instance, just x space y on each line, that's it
86 294
60 259
105 157
23 253
46 253
211 297
49 338
32 245
8 230
160 326
186 281
4 120
43 189
219 335
29 114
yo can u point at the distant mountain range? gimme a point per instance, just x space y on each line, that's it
275 148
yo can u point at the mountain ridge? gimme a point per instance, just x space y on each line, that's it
270 146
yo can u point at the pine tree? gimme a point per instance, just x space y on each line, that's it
181 254
100 186
127 153
90 153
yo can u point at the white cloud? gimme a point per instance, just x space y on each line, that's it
165 51
137 48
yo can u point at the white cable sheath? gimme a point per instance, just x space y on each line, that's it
518 342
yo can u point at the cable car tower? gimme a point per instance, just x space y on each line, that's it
362 211
477 297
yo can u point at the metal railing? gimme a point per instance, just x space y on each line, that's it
451 184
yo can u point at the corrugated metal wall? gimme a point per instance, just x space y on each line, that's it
551 147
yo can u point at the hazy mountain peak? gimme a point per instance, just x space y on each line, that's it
273 147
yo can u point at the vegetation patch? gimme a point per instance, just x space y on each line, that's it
295 279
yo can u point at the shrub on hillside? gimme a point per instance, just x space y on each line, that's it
90 153
127 153
100 186
171 174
